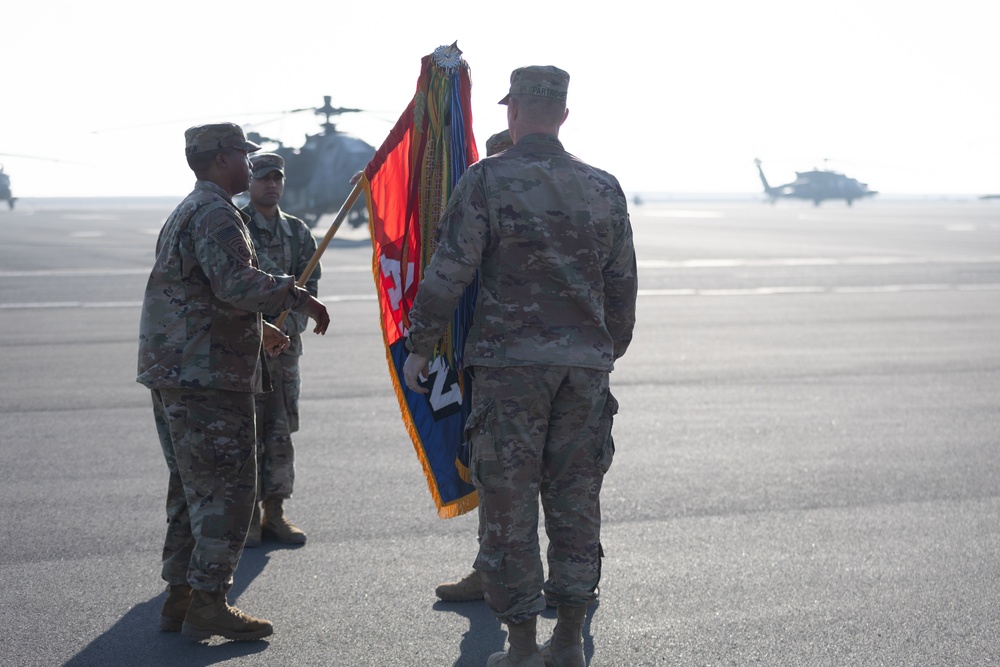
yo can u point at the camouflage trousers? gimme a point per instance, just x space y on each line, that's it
277 419
207 438
539 432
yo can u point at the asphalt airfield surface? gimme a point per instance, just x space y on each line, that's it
806 471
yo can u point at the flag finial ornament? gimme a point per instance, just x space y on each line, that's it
448 57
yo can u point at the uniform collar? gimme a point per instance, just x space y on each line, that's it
201 184
264 224
540 138
214 188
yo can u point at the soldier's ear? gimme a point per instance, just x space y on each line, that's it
225 157
512 109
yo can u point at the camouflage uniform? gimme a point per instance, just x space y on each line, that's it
200 353
498 143
551 240
285 246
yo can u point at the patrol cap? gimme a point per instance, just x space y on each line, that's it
263 164
498 142
541 80
216 136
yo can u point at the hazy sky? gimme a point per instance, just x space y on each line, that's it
671 97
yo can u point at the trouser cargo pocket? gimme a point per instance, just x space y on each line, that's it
481 434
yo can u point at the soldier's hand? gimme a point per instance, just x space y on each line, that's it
415 368
275 342
317 311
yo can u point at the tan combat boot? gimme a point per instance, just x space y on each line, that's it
523 651
565 649
210 615
467 589
253 533
277 526
175 607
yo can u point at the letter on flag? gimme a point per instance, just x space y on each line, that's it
407 184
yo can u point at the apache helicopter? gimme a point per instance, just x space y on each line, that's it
817 185
317 175
5 192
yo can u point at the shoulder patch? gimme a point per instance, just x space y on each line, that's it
231 238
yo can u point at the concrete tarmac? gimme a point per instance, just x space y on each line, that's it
806 469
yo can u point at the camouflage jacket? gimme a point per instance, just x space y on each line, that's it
551 239
284 247
200 324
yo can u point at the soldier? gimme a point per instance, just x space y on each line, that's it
287 245
470 588
200 349
551 240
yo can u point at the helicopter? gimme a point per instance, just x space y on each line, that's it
817 185
318 174
5 192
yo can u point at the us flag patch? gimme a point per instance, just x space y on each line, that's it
234 242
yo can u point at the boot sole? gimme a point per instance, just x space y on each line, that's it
170 624
193 632
459 598
272 535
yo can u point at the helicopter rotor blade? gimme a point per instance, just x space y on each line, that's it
277 115
45 159
199 119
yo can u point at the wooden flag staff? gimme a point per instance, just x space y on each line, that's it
314 260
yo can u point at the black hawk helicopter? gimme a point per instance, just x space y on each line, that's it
318 174
817 185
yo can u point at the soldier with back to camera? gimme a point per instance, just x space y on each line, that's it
550 238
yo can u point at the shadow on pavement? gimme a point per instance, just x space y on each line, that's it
135 639
485 636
